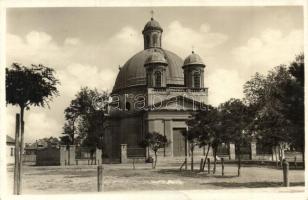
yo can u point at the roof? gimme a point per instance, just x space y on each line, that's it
193 59
133 72
9 139
152 25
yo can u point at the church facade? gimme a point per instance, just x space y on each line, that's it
155 90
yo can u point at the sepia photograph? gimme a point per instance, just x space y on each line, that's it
153 99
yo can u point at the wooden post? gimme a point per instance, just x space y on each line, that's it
16 167
201 164
295 163
100 185
222 167
208 166
285 167
185 162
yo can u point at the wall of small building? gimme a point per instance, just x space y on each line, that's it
10 152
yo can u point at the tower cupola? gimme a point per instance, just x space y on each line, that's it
152 33
193 71
156 66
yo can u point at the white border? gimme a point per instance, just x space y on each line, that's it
251 194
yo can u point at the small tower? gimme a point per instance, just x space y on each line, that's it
152 33
193 71
156 66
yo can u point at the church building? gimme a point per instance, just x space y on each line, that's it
155 90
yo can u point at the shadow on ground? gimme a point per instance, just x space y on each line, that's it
194 174
253 184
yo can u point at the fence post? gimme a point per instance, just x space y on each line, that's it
295 163
222 167
201 164
100 185
285 168
208 166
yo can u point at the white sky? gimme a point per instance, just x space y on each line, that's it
86 46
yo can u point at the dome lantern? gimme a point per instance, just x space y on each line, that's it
152 33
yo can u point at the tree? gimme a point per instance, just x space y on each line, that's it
192 136
295 101
155 141
278 104
236 118
205 128
29 86
85 118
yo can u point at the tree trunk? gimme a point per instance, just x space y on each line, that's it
239 161
17 154
215 160
205 159
276 158
192 158
281 155
155 153
303 156
69 155
22 123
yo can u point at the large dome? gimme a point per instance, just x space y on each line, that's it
133 72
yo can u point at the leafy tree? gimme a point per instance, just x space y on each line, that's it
30 86
85 118
278 104
294 103
236 119
205 129
155 141
192 136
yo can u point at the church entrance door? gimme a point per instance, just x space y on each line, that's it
178 142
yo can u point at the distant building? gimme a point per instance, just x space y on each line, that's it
10 150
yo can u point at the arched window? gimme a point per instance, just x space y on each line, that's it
148 40
157 79
127 106
197 80
155 40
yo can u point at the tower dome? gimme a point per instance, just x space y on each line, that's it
193 71
193 59
156 57
152 25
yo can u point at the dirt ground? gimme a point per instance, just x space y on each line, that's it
122 177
